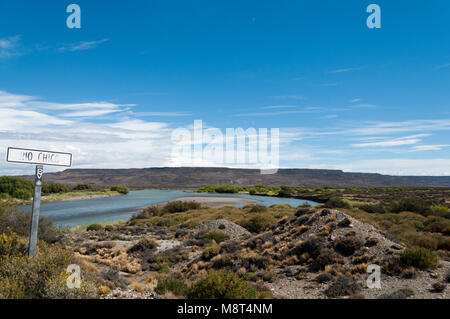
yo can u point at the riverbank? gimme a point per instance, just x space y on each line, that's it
75 196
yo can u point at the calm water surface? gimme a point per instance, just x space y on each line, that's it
108 209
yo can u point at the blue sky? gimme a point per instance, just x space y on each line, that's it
343 96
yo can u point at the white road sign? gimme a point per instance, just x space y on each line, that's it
27 156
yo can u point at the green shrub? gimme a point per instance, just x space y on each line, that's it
54 189
120 189
337 203
211 251
258 223
215 235
10 245
94 227
258 209
342 286
419 257
179 206
22 277
143 244
441 211
222 285
24 194
12 219
173 285
16 187
227 189
83 187
415 205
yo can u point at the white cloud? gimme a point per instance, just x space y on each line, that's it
399 166
9 46
162 114
89 113
420 148
374 128
406 140
344 70
81 46
387 143
289 97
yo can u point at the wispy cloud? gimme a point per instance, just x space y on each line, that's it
383 128
344 70
20 102
442 66
81 46
421 148
331 84
289 97
406 140
302 111
270 107
9 46
162 114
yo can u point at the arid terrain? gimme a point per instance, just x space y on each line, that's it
209 249
193 177
308 253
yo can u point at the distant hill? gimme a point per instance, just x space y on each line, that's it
192 177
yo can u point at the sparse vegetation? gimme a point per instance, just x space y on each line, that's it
419 257
16 187
258 223
170 284
120 189
94 227
216 236
222 285
343 286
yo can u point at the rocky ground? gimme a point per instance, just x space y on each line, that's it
318 253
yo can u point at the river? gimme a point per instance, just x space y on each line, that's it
109 209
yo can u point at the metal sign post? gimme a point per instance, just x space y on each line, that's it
41 158
35 211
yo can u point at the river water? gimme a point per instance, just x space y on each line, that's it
109 209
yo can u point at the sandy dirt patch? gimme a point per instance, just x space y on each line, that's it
219 201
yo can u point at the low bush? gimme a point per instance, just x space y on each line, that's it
54 188
120 189
438 287
419 257
179 206
83 187
143 245
343 286
347 246
173 285
16 187
323 277
94 227
258 223
43 276
14 220
258 209
211 251
215 235
441 211
337 203
415 205
222 285
373 209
